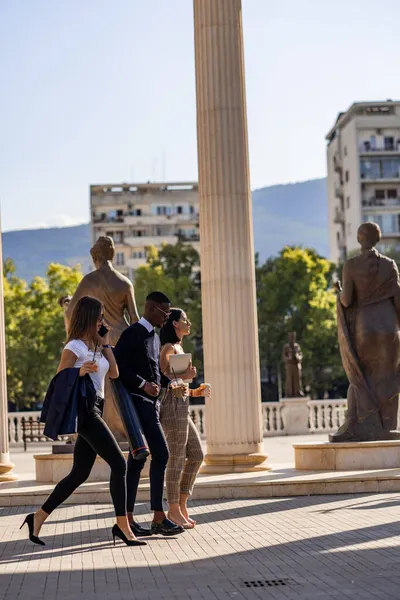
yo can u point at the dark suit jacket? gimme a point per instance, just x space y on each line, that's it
138 357
69 399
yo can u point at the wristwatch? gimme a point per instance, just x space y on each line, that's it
107 346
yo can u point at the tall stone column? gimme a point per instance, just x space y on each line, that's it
230 335
5 465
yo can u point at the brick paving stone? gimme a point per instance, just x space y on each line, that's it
327 547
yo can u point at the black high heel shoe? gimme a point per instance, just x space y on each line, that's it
29 520
117 532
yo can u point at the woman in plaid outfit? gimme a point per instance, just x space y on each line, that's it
186 453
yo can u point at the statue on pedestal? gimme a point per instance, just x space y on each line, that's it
368 314
292 358
116 293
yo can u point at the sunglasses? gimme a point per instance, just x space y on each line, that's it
167 314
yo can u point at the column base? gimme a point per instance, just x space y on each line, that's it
235 463
5 472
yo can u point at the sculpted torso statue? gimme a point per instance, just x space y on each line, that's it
368 311
292 358
116 293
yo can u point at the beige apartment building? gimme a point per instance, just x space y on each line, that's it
140 215
364 175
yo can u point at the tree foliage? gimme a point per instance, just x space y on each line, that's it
294 294
35 331
174 270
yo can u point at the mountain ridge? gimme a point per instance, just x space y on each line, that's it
283 214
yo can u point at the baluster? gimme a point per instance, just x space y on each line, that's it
201 422
19 427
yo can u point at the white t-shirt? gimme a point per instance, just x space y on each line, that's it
83 354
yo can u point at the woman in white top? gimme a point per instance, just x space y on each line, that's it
94 436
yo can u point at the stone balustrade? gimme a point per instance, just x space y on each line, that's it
292 416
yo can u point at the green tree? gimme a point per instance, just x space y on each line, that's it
34 330
174 270
294 294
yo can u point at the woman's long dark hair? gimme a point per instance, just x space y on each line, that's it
168 332
84 320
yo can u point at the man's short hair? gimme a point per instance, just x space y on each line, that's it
158 298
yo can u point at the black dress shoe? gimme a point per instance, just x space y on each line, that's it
166 527
138 530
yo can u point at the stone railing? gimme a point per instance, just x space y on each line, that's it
272 419
325 415
15 424
297 416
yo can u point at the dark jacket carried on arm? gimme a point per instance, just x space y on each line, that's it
69 399
138 357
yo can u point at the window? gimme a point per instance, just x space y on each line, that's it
389 143
390 168
392 193
380 194
120 259
348 202
110 234
179 210
347 176
119 237
191 209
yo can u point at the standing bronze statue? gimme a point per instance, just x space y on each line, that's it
116 293
368 314
292 358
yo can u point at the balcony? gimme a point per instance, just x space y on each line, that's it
162 219
337 163
381 203
339 192
135 263
145 241
385 150
339 215
188 237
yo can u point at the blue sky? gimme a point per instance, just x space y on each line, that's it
96 91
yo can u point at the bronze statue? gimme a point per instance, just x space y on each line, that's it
292 358
116 293
368 315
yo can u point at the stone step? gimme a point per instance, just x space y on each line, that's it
281 481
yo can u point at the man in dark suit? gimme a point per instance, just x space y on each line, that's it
138 356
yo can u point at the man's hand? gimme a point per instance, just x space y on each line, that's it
152 389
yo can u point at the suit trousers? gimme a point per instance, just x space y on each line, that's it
148 413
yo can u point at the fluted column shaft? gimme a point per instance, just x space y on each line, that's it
5 464
230 333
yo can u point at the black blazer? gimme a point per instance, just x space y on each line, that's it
138 357
69 399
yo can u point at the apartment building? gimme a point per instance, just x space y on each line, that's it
363 156
140 215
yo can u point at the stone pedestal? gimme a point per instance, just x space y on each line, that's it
6 466
231 361
348 456
51 468
295 415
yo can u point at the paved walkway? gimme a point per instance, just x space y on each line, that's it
283 548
